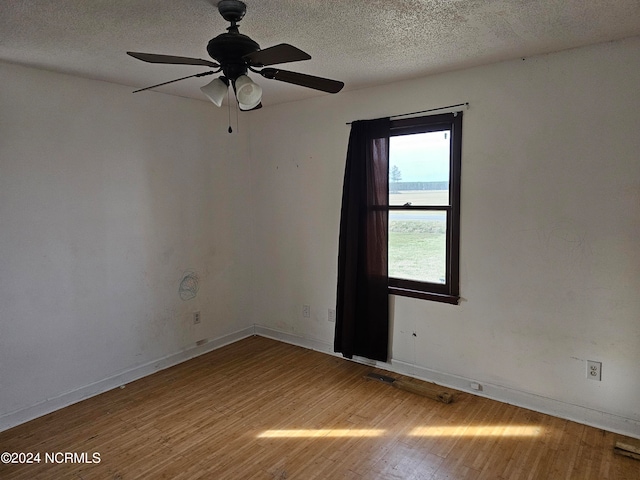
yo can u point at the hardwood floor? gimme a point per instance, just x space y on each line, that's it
262 409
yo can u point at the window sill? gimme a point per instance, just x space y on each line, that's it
436 297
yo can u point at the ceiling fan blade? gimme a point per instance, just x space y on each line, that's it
282 53
302 79
170 59
203 74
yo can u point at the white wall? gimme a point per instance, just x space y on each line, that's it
550 258
106 200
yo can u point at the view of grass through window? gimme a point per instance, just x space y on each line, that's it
418 184
417 249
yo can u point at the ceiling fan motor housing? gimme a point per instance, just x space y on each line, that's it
228 49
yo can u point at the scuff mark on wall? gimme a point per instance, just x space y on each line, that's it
188 285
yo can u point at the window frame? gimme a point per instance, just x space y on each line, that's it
449 292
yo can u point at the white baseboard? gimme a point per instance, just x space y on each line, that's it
606 421
52 404
576 413
293 339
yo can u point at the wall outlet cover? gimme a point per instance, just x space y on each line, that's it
594 370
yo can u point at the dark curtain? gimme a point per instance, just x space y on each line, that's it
362 310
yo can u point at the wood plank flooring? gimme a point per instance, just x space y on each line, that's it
261 409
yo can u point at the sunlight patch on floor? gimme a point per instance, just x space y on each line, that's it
429 431
318 433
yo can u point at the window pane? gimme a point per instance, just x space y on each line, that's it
419 168
417 245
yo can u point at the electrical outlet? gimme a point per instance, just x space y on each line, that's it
306 311
332 315
594 370
196 318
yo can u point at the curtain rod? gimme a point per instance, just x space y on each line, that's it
448 107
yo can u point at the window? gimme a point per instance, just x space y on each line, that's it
424 207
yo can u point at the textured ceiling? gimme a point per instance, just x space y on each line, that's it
361 42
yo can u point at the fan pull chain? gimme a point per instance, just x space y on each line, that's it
229 110
237 109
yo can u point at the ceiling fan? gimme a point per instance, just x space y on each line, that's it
235 55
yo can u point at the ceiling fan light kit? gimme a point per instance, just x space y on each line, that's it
216 90
248 93
235 55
